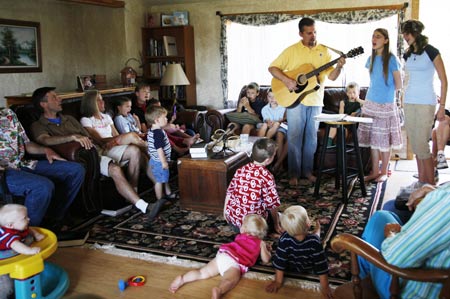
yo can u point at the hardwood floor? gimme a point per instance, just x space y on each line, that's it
94 274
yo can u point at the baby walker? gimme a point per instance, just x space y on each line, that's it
33 278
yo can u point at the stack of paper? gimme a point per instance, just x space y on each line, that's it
198 151
342 117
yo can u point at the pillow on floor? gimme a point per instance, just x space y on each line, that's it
243 118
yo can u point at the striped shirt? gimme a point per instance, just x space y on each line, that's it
157 139
300 256
8 236
423 242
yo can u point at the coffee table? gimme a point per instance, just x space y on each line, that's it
203 182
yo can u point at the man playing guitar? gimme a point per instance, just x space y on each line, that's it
302 133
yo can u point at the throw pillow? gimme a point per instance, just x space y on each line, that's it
243 118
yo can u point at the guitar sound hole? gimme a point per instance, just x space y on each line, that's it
302 80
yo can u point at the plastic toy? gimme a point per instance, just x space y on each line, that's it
32 277
134 281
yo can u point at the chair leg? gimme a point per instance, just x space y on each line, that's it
357 290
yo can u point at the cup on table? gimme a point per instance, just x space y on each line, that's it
244 139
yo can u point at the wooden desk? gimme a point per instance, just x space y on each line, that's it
67 96
203 182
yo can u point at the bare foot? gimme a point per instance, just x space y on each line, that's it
293 182
382 178
192 140
371 177
176 284
311 178
216 294
316 230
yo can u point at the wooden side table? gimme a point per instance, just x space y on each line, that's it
203 182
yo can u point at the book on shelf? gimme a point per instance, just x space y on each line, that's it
342 117
117 212
170 45
73 238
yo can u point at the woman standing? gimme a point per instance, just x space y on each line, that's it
384 133
422 62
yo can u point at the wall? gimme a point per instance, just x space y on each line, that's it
85 39
75 39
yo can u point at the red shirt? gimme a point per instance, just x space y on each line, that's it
8 236
251 191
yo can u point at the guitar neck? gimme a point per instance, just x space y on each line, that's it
322 68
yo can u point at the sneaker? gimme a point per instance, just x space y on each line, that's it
441 162
154 208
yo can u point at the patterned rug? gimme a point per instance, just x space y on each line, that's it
197 236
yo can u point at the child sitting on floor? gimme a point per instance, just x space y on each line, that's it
232 259
253 189
299 251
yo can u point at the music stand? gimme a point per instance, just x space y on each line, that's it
225 151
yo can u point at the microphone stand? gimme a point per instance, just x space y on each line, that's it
223 152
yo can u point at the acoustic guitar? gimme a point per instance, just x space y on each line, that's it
307 81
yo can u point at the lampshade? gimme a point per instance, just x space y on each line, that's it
174 75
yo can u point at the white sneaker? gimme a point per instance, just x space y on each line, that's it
441 161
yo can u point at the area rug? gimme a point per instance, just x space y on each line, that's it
197 236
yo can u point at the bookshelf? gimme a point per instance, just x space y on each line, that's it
155 61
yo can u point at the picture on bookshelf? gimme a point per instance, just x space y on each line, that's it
154 20
180 18
170 45
167 20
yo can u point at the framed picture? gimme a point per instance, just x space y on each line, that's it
153 20
20 47
166 20
180 18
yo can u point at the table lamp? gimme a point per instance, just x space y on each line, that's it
173 76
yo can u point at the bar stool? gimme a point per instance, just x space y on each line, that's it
342 171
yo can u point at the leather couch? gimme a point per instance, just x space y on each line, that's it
97 192
216 119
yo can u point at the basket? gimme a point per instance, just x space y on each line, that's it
232 141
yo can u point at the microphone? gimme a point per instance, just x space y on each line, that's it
230 129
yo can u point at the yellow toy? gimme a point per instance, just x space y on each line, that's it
31 276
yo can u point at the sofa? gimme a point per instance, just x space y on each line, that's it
98 192
216 119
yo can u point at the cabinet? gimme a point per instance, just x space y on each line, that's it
155 60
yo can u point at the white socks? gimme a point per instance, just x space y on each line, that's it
142 205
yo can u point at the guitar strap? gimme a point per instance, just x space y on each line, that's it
334 50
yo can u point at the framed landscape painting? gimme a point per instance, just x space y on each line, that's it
20 46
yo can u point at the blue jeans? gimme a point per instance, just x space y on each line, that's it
302 139
374 234
61 178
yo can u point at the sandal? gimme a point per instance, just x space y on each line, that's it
172 196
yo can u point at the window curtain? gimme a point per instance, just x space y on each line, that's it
344 17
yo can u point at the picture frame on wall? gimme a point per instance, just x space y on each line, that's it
20 46
180 18
166 20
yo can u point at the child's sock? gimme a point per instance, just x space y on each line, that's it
141 205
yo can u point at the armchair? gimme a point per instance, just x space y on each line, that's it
359 247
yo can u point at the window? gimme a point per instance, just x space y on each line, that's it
251 49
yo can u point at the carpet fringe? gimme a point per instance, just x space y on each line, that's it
174 260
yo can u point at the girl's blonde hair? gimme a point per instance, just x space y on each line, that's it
295 220
9 212
254 225
89 105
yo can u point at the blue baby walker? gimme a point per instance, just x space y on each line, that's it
34 278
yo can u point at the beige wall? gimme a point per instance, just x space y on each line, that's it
75 39
84 39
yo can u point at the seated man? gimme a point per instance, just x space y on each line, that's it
49 186
441 135
54 128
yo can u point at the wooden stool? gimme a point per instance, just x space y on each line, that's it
342 172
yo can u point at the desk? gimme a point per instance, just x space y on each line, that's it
66 96
342 171
203 182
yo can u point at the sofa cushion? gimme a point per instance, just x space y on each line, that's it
243 118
